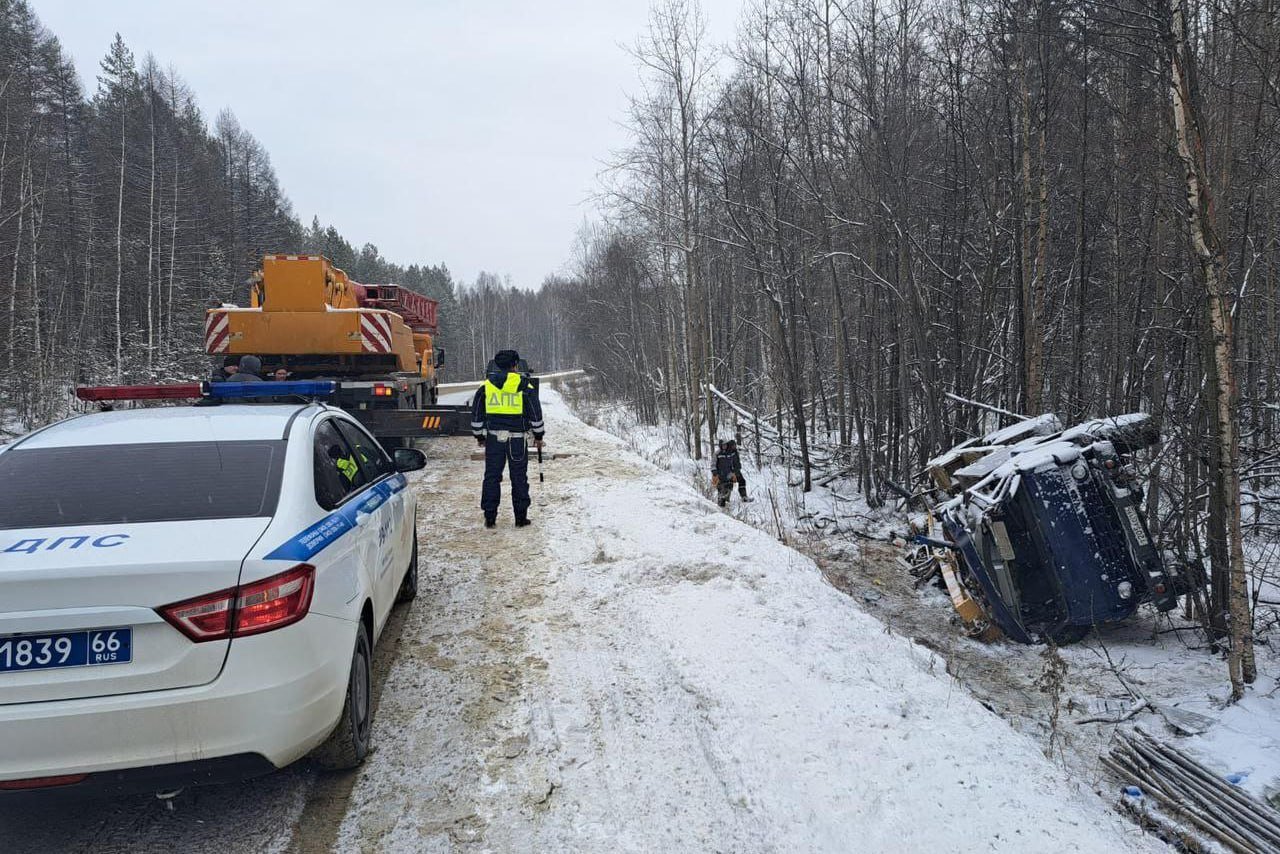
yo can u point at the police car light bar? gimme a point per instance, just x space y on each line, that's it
139 392
293 388
218 391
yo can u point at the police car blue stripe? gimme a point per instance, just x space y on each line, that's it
308 543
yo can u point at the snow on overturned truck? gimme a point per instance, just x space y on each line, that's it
1039 532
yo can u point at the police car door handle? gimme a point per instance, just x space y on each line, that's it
362 518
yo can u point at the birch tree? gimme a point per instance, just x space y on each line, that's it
1201 221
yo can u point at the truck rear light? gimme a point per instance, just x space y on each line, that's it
249 609
383 391
42 782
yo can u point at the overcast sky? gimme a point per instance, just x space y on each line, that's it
454 131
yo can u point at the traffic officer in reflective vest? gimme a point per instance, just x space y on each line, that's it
504 410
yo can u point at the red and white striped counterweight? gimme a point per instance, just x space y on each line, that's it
375 331
217 332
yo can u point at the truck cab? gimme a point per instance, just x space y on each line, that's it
1050 532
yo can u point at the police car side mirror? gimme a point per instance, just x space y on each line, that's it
410 459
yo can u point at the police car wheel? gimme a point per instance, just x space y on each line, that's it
348 744
409 587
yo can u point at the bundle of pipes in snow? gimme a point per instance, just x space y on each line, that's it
1189 792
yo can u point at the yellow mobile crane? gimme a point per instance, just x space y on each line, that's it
309 317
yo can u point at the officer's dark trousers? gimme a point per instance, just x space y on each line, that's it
515 452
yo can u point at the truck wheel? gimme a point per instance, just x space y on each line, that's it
348 744
409 587
1130 436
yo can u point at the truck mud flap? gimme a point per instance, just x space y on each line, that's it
415 423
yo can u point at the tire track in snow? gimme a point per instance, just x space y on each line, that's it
453 735
329 795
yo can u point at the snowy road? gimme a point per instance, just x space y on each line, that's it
637 672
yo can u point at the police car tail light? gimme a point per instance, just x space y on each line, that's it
249 609
274 602
203 618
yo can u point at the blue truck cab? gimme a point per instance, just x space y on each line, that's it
1049 529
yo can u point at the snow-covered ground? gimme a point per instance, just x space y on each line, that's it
642 672
637 672
1042 696
778 506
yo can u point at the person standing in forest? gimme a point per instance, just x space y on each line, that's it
505 409
726 470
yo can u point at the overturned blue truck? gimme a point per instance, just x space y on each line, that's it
1039 531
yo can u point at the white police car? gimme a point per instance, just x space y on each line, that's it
192 594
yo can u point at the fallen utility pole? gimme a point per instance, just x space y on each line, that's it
1189 792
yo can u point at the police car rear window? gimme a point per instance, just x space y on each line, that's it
162 482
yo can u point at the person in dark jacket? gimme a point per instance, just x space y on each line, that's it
726 470
227 372
250 370
503 411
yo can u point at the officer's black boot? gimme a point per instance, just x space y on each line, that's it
522 521
490 521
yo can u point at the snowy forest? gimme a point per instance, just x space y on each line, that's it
862 218
124 215
863 209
